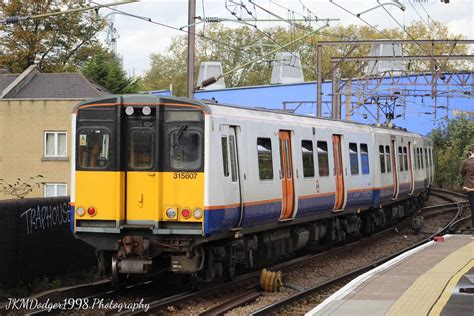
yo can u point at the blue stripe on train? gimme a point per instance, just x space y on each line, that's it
225 219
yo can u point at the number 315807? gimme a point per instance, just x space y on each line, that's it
185 175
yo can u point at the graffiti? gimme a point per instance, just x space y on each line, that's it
40 218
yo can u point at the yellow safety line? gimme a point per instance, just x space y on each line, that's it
448 291
425 291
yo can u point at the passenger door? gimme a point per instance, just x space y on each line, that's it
338 171
141 178
287 179
231 182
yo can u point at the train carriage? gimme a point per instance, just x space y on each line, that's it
205 188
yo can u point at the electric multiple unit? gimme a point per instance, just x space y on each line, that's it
205 188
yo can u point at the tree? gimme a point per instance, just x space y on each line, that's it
105 70
451 143
57 43
247 43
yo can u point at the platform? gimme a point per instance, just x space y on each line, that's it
433 279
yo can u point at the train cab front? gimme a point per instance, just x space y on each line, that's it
139 180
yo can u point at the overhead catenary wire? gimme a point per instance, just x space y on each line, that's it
380 32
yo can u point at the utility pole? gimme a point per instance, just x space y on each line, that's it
191 47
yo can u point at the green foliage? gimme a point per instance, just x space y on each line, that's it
105 70
236 46
55 44
451 143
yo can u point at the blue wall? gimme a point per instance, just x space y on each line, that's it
415 118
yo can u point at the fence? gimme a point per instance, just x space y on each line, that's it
35 240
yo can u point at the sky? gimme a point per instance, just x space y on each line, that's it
139 39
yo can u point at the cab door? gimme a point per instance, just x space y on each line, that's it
338 171
141 176
231 181
287 179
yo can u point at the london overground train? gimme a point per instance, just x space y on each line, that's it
204 188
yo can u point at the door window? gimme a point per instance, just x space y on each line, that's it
388 158
225 161
141 149
233 158
382 159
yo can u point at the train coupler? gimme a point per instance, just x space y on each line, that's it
134 266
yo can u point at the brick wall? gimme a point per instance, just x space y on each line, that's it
22 126
35 240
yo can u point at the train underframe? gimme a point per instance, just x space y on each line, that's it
206 260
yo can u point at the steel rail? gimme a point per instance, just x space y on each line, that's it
269 309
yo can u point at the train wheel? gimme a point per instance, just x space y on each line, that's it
116 279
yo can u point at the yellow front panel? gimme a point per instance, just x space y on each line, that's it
143 198
149 194
184 190
102 190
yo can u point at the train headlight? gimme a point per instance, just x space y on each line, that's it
91 211
80 211
171 213
197 213
146 110
129 110
186 213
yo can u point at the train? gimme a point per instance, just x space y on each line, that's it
207 189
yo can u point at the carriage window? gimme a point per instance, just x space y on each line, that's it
417 158
354 158
388 158
233 160
185 149
414 157
426 157
94 148
421 159
323 160
308 158
431 157
400 158
364 158
382 159
405 158
225 160
265 165
141 149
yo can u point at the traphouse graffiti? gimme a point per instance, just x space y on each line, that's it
42 217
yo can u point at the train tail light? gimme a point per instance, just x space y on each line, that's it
186 213
91 211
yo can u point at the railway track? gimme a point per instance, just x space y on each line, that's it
245 288
457 201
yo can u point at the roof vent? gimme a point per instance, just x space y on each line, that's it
287 68
210 69
385 50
